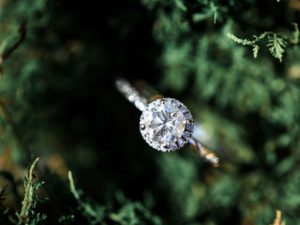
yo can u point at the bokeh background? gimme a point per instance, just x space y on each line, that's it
59 60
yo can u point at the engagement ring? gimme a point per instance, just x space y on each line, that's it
166 124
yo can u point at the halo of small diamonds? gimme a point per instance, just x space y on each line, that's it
166 124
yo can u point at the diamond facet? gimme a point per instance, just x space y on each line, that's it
166 124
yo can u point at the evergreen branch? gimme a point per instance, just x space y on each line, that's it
239 40
28 201
276 46
276 43
123 216
247 42
93 214
129 213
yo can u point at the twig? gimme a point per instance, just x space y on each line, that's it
14 46
21 38
3 112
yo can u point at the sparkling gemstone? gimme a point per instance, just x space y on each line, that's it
166 124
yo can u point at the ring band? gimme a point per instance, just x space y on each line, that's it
166 124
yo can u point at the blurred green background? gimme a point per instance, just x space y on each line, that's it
59 60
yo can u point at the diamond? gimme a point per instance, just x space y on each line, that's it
164 123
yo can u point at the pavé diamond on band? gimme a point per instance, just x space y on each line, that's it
166 124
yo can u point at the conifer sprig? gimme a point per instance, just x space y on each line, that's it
27 215
94 214
276 46
276 43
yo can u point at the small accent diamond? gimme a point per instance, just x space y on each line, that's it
189 126
187 135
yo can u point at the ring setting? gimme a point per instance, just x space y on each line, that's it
166 124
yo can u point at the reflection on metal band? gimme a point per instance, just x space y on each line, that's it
131 94
204 152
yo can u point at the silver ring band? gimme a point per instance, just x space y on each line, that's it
131 94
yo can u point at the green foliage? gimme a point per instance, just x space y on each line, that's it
57 100
93 213
276 46
251 105
27 214
133 213
252 43
275 42
130 213
211 10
